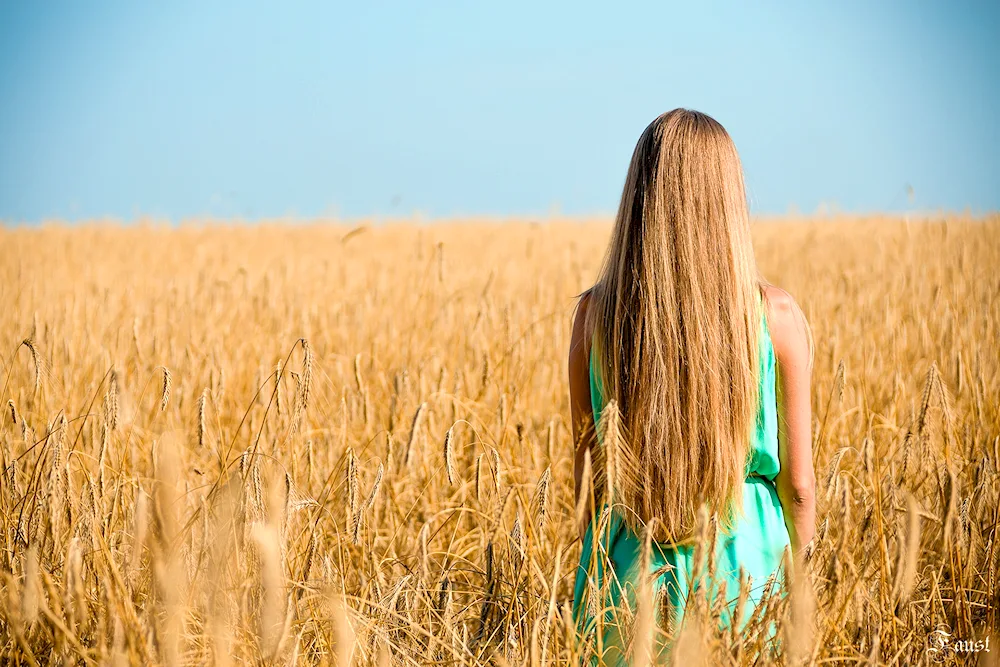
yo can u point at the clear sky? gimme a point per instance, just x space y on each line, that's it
175 109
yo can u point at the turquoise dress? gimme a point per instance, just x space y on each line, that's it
757 543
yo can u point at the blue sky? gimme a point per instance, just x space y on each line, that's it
258 109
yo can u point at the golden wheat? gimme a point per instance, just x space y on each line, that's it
124 540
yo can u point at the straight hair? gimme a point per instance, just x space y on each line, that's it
676 315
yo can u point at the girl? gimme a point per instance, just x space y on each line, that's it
689 390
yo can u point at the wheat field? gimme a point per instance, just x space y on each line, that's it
325 444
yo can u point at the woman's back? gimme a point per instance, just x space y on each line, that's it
689 393
753 550
764 443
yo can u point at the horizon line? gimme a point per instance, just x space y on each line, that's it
209 220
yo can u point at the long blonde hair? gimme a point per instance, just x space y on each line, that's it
676 322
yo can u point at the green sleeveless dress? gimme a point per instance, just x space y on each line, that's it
757 543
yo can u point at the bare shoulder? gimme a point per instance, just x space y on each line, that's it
581 327
582 307
787 325
583 303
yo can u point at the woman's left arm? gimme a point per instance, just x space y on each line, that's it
581 412
796 481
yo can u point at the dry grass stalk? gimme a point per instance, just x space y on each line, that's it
369 502
111 403
497 470
265 538
541 498
36 362
303 386
418 417
358 380
449 462
608 472
352 491
840 381
909 553
346 637
201 418
479 478
165 390
167 569
278 375
30 593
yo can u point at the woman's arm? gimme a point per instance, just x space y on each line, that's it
581 411
796 481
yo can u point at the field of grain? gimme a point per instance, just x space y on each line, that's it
318 444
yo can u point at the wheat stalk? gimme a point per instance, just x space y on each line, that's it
541 498
414 431
449 463
369 502
111 404
36 362
165 390
201 418
352 491
110 557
